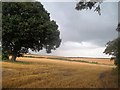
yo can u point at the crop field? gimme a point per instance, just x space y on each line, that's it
58 72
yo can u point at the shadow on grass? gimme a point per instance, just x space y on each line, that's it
17 62
109 78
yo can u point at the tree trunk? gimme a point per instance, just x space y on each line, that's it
14 57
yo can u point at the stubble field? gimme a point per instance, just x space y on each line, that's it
54 72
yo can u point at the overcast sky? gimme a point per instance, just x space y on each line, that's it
84 33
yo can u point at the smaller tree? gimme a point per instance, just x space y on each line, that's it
112 49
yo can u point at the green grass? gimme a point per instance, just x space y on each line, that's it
58 58
32 57
67 59
29 56
0 58
17 62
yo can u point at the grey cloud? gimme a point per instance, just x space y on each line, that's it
81 26
85 26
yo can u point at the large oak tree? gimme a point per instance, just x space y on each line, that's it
27 25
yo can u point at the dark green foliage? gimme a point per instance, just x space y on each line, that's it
0 23
27 25
84 4
5 56
112 47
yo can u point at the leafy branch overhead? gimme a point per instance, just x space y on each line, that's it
84 4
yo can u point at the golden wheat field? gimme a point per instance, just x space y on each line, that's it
50 72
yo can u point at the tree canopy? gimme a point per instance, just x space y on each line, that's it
84 4
27 25
111 47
